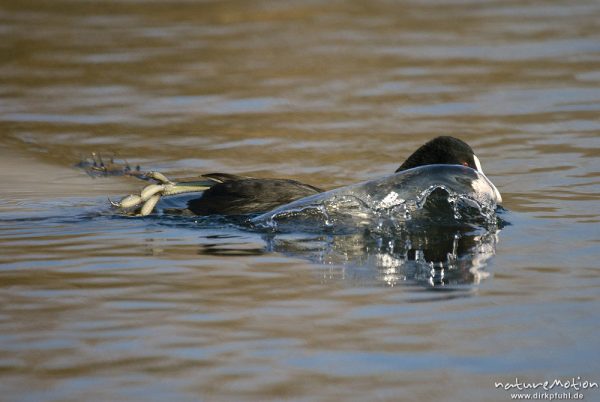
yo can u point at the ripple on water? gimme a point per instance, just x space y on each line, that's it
95 306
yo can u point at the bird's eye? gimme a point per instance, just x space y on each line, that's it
465 164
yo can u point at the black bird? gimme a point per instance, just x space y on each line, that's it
227 194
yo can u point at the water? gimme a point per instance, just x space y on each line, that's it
96 306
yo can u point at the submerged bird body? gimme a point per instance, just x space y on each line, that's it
227 194
240 195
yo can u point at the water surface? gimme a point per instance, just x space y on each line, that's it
97 306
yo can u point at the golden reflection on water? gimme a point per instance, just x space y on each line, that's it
97 307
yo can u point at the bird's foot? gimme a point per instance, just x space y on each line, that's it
144 203
96 166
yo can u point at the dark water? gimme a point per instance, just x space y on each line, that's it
97 306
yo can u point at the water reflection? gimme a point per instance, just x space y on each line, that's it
434 258
442 257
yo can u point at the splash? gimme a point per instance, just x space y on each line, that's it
428 195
